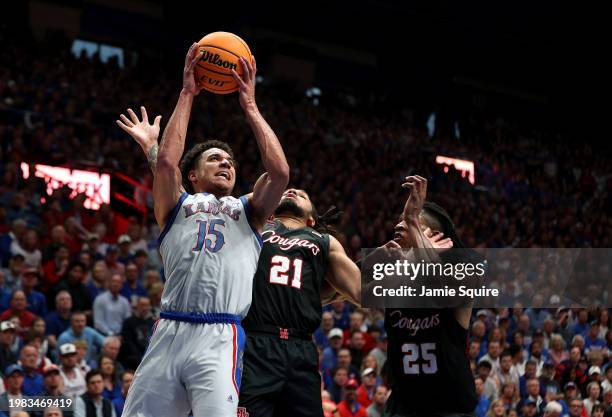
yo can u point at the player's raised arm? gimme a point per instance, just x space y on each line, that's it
167 183
270 187
343 274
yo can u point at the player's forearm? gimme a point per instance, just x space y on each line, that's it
151 155
173 140
427 251
272 155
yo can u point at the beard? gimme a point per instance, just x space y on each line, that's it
288 206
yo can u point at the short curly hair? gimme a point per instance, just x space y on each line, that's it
191 158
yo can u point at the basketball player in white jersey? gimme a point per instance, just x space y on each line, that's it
210 244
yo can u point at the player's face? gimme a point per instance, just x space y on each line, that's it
401 235
215 172
295 202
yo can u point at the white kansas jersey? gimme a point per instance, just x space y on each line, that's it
210 253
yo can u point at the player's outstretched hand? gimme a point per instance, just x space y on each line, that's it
144 133
438 240
190 85
418 193
246 84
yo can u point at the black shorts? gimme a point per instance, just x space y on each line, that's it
280 378
395 408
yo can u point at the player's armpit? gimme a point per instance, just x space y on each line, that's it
329 294
343 274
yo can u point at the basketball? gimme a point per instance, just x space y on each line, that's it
221 54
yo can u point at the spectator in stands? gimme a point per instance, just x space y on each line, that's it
36 301
483 401
380 351
92 403
490 389
553 409
497 409
7 337
345 360
155 293
111 308
355 346
80 331
341 312
593 391
33 381
18 311
12 274
151 277
533 394
592 341
28 247
492 356
598 410
112 387
576 408
56 241
365 392
126 382
82 364
72 282
321 334
530 408
349 406
124 255
335 388
13 379
58 320
330 353
557 351
141 259
72 377
111 348
136 333
99 279
112 262
581 326
507 373
549 386
131 288
377 408
53 388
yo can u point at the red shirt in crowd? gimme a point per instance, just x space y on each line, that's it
25 318
363 397
345 410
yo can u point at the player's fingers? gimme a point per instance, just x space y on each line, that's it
189 55
436 236
195 59
125 120
122 126
392 244
238 79
246 69
133 116
143 113
157 121
254 65
408 184
427 232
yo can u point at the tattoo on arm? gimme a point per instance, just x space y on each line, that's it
152 157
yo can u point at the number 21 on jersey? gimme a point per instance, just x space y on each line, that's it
280 267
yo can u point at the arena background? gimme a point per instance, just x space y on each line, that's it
360 95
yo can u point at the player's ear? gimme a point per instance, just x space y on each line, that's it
192 175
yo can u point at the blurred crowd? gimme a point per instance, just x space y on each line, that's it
80 289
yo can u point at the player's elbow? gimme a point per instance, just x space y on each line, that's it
165 164
280 174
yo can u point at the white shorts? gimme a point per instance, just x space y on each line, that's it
188 367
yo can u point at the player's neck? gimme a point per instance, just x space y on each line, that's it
291 222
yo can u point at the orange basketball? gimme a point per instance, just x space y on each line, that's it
221 53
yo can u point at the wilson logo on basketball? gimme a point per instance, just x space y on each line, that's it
215 59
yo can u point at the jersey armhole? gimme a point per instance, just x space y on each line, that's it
172 217
247 213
